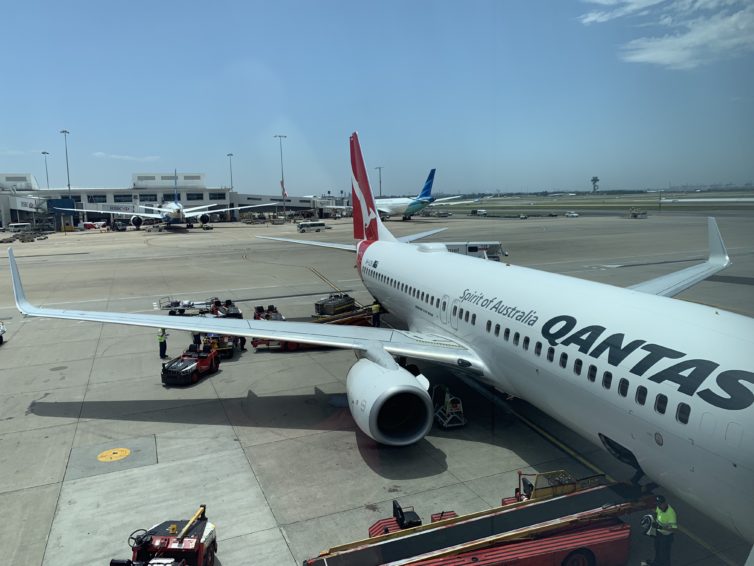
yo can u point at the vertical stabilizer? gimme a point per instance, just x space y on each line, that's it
366 221
175 186
426 193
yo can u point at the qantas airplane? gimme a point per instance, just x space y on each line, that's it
663 385
408 207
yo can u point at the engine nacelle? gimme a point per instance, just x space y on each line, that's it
390 406
137 221
204 218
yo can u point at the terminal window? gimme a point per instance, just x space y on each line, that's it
122 198
148 197
145 178
194 196
191 178
168 178
96 198
216 196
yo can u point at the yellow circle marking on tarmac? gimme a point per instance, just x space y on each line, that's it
113 455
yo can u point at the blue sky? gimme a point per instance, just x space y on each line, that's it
502 95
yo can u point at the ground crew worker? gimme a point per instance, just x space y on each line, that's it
375 314
667 524
162 339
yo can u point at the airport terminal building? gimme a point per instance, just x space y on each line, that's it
22 200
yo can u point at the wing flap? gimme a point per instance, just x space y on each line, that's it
673 283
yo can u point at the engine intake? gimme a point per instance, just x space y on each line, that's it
390 406
204 218
137 221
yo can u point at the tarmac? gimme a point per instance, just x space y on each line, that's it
93 447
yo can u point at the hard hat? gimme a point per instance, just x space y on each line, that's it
660 499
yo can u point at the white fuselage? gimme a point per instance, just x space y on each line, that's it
402 205
691 361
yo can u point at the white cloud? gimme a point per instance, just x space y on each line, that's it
103 155
693 32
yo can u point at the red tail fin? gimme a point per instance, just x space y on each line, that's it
365 217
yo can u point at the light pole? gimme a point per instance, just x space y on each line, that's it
46 153
67 171
282 174
379 169
230 164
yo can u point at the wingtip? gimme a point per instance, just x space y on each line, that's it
717 251
18 291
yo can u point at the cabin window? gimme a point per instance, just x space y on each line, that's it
538 348
516 338
623 387
466 317
473 319
550 354
507 334
607 380
641 395
577 365
526 343
460 314
489 325
497 330
421 297
455 308
591 375
682 413
661 403
444 304
563 360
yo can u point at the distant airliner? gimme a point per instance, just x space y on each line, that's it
169 212
663 385
408 207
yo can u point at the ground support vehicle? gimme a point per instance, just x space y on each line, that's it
190 542
225 346
358 317
565 523
190 366
183 308
2 331
335 303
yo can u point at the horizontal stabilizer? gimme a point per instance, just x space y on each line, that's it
333 245
420 235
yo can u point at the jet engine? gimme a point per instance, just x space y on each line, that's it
137 221
204 218
389 405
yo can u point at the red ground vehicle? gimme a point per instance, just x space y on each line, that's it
552 521
174 543
190 366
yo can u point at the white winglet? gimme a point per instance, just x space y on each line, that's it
673 283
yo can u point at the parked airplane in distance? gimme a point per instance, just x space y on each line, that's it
169 213
408 207
661 384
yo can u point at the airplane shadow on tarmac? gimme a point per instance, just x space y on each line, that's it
318 411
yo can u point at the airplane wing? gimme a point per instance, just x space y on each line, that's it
196 211
673 283
333 245
396 342
144 214
443 203
444 199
